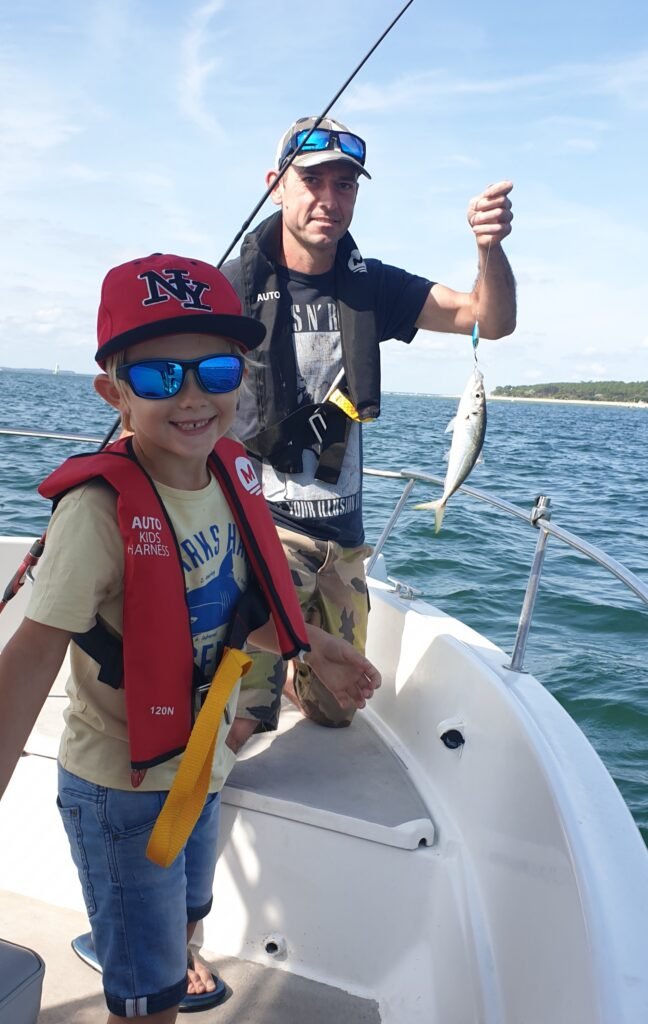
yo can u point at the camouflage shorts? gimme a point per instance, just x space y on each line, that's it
330 582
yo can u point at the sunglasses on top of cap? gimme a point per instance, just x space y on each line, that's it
163 378
323 139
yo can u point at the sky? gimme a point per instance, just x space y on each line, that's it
137 126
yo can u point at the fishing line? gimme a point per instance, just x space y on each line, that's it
36 550
475 330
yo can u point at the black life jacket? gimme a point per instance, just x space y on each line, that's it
283 430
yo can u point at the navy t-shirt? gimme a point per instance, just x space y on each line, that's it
299 501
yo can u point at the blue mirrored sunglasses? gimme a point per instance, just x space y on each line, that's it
163 378
322 139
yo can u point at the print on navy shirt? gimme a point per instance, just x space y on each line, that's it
315 329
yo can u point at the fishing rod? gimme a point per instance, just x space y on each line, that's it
36 550
246 223
318 121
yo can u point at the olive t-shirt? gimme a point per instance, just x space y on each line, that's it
80 576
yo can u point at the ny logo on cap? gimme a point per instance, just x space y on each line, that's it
177 285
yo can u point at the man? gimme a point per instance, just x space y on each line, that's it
317 377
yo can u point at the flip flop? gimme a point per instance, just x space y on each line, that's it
193 1002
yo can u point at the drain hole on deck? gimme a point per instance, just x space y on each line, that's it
275 945
452 739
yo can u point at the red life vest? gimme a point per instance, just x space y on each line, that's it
157 643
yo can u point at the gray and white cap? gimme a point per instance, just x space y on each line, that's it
311 157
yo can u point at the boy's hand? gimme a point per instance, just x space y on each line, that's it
345 672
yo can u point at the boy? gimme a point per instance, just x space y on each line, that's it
160 557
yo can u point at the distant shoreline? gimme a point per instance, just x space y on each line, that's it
511 398
569 401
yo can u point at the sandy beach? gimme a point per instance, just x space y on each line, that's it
568 401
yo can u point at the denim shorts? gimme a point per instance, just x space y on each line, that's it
138 911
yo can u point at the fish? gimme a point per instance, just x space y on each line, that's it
469 431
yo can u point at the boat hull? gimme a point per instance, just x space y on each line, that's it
499 880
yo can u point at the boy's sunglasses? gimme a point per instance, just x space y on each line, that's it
163 378
322 139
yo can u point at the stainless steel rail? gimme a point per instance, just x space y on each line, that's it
50 437
540 519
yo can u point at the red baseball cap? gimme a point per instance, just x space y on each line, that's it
162 294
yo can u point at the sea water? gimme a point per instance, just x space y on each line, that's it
589 639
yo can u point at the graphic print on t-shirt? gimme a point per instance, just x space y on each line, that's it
211 605
316 336
332 510
215 570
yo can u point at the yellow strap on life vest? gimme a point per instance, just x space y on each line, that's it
188 792
344 403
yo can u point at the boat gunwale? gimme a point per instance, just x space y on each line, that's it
591 551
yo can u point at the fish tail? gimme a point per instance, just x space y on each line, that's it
438 514
438 507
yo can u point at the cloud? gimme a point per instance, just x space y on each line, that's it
581 145
593 371
44 321
197 70
533 375
411 89
565 133
428 342
83 173
545 212
571 123
154 197
108 30
454 160
33 121
626 80
47 326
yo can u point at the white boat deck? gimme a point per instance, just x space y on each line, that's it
72 992
343 779
340 781
376 874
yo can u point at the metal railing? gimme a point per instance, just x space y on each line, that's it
540 518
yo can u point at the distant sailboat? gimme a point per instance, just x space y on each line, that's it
57 369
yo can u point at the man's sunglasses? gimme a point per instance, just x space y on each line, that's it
322 139
163 378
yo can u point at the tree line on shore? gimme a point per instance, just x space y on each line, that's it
585 391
